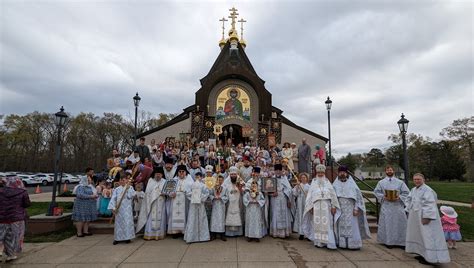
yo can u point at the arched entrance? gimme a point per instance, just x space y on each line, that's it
233 132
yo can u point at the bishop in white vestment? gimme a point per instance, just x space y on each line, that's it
234 215
321 211
425 234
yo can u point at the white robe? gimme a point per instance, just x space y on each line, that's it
426 240
177 207
350 229
392 225
280 214
300 193
218 210
153 211
124 228
254 221
234 214
318 221
197 229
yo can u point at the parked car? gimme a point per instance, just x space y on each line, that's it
29 180
45 178
68 178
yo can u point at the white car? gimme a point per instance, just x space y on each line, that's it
44 178
29 180
68 178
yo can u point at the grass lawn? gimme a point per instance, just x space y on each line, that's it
37 208
452 191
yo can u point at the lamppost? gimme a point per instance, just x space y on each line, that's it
328 103
136 102
403 126
225 138
60 121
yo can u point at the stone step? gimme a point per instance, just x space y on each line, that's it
101 228
373 227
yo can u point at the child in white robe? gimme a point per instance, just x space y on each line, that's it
197 229
219 197
121 206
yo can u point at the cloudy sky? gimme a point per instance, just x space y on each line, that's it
375 59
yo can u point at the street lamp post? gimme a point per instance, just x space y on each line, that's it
403 126
60 121
136 102
328 103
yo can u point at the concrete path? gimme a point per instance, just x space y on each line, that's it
443 202
46 197
98 251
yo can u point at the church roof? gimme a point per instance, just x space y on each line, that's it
182 116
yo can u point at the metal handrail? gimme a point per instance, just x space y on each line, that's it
376 204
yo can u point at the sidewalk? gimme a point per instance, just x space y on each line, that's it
98 251
46 197
444 202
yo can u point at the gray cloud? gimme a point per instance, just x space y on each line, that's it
375 59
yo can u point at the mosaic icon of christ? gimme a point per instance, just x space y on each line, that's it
233 106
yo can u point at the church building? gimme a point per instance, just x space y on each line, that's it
233 103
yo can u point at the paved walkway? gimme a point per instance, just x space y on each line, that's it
98 251
444 202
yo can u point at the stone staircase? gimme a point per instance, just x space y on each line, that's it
102 225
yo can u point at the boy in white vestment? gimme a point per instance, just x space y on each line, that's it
121 206
219 197
197 229
254 201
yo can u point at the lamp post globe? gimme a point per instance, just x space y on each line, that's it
403 126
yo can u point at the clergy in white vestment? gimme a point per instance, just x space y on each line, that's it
219 197
352 226
425 235
254 201
170 168
197 228
177 205
153 209
391 194
280 206
246 170
321 211
300 191
121 206
234 215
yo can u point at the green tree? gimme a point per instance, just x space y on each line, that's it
375 157
448 166
350 162
461 131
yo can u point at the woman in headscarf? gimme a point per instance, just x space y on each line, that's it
14 200
85 208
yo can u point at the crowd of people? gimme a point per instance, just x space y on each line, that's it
201 194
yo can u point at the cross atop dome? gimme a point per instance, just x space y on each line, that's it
233 34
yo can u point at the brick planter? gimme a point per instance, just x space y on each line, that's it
41 224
